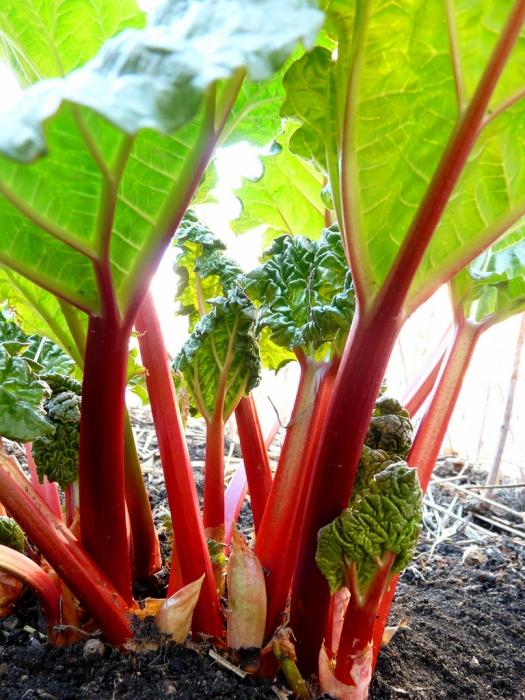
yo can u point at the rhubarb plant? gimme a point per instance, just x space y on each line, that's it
88 213
389 178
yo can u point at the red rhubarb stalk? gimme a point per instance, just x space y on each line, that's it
369 346
101 454
65 554
358 626
255 457
190 543
47 491
214 475
433 427
145 547
34 577
277 542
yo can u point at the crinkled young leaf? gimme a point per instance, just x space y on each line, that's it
37 348
390 428
22 394
56 455
204 270
388 440
220 361
285 199
304 292
11 534
385 519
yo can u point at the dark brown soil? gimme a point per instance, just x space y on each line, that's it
466 629
463 636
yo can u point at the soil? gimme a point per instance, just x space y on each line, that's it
459 608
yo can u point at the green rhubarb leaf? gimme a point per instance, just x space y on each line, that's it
388 440
11 534
39 312
387 518
492 287
255 114
143 78
22 417
220 360
56 455
205 272
37 348
390 428
49 39
310 94
304 292
285 199
396 122
61 213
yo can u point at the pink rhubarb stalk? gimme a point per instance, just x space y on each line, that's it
375 328
233 499
190 543
65 554
47 491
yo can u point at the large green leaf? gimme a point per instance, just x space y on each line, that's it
62 212
255 115
48 38
285 199
405 73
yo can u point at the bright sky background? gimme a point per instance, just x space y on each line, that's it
475 425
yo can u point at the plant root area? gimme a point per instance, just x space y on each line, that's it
458 617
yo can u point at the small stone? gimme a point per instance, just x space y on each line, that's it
170 689
474 556
474 661
93 649
11 623
4 669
